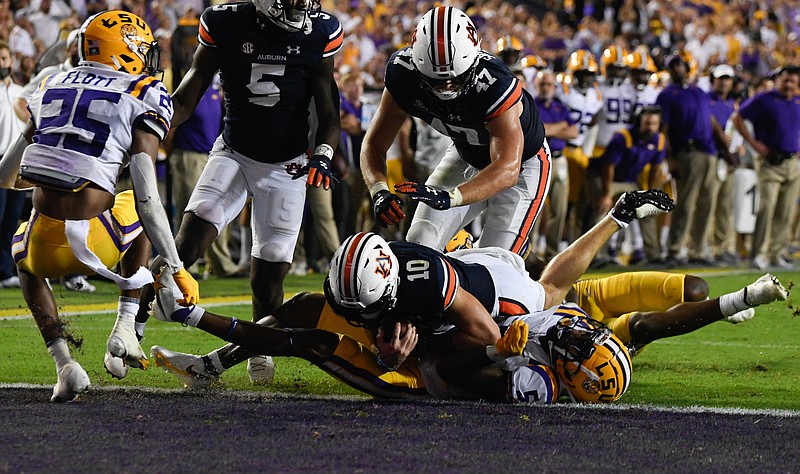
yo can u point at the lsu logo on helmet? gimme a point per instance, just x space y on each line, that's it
590 361
121 41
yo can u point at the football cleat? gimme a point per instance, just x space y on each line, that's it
639 204
72 381
764 290
79 283
261 370
124 344
741 316
193 370
115 366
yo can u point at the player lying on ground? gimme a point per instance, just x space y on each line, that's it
86 123
373 283
564 350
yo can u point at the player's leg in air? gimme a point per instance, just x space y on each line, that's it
639 328
341 356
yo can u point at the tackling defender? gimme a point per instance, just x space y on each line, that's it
86 123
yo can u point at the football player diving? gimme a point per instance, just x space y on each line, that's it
344 351
273 57
87 124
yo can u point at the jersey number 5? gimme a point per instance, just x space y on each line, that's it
265 92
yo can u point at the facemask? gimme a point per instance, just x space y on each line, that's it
5 72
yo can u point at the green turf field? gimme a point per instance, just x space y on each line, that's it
752 365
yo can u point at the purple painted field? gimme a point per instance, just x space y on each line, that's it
145 432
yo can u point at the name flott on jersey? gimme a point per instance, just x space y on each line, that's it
429 282
265 74
85 118
493 91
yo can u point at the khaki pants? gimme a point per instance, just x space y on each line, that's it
723 237
697 183
778 187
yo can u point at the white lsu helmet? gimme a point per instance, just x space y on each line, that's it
362 282
444 51
291 15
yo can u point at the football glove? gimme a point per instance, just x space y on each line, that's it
511 344
438 199
187 285
638 204
319 170
388 208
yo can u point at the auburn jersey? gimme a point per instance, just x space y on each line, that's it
85 120
266 74
493 91
429 282
583 106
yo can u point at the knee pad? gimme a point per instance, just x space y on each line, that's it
211 212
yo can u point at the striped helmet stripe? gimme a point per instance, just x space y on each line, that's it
440 27
624 359
348 277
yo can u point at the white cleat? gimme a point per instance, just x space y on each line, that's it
165 307
192 370
79 283
261 370
741 316
115 366
124 344
764 290
72 381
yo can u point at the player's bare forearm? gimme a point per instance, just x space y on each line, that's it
505 153
379 137
193 85
565 269
474 325
326 100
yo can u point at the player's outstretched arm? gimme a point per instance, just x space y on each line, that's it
194 84
505 153
385 124
154 220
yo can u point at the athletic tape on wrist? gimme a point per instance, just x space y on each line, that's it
379 186
325 150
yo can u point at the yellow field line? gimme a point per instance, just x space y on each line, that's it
110 307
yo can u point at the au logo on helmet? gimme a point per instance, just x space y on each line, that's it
383 265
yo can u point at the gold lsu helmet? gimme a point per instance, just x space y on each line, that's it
582 60
640 61
121 40
589 359
534 61
509 49
612 56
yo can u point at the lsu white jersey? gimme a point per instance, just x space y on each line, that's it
85 120
533 377
583 106
618 106
645 96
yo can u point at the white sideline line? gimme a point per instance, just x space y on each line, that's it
359 398
111 310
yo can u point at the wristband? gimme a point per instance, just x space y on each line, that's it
324 150
379 186
492 354
384 365
455 197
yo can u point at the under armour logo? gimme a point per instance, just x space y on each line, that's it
248 48
384 265
454 118
293 50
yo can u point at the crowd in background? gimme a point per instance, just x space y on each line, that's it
755 37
